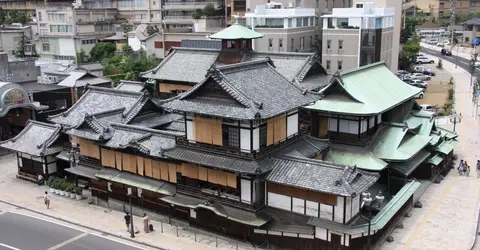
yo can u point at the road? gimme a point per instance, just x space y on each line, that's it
21 232
462 62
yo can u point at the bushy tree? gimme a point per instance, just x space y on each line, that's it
408 31
102 50
152 29
197 14
16 16
409 52
2 16
127 50
126 27
20 52
209 10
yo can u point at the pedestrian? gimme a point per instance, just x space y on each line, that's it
467 169
460 167
46 200
127 221
146 221
40 179
478 168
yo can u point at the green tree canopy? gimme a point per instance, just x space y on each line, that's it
408 31
209 10
197 14
152 29
2 16
16 16
102 50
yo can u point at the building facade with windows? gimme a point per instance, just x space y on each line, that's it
354 37
284 30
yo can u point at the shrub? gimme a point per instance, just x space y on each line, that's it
451 81
440 64
78 190
51 180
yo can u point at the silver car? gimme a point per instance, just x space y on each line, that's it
420 76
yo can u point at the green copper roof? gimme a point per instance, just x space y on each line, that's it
447 133
236 32
365 160
397 143
435 160
407 167
371 89
421 125
445 147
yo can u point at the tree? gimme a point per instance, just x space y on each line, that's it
127 50
20 52
197 14
16 16
2 16
102 50
152 30
209 10
408 31
126 27
82 57
409 52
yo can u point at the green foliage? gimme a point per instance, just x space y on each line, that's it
126 27
15 16
440 64
115 78
51 180
451 81
197 14
78 190
461 17
409 30
451 95
409 52
82 57
152 29
20 52
102 50
127 50
3 15
448 106
209 10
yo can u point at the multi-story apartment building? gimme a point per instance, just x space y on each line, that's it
354 37
284 29
439 10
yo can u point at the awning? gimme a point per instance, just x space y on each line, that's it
445 147
144 183
83 171
406 168
107 173
63 156
182 200
435 160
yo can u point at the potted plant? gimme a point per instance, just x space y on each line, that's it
68 189
78 193
72 191
50 182
56 186
62 187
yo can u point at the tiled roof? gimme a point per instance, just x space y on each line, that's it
130 86
148 141
81 79
363 158
202 44
96 101
286 221
256 89
155 119
306 146
97 126
290 65
321 176
92 66
367 90
37 139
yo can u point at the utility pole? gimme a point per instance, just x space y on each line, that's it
453 8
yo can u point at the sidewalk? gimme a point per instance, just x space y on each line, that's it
25 194
450 209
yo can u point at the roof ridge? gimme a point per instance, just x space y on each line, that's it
106 112
243 64
66 112
349 71
300 88
136 108
237 93
198 49
165 60
306 67
313 161
144 129
112 90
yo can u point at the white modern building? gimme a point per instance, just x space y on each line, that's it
353 37
285 29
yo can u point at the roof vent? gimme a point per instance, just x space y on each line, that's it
338 183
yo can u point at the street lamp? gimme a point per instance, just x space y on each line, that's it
368 201
455 118
132 232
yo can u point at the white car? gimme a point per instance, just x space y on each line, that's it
420 95
433 41
428 107
443 43
419 76
424 59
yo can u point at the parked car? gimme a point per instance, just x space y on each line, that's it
424 59
443 43
433 41
420 95
420 76
419 83
446 52
423 70
429 107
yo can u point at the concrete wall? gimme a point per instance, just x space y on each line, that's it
387 46
18 71
348 55
286 35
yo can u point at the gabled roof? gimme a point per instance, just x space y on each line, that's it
148 141
81 79
252 90
363 158
236 32
202 44
133 86
91 66
367 90
97 126
321 176
37 138
395 142
289 64
98 101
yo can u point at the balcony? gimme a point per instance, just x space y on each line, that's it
185 5
220 196
269 26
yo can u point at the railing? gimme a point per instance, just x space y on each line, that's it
190 2
221 197
87 161
179 17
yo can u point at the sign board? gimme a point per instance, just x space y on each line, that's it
476 41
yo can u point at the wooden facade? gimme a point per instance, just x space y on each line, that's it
173 88
302 194
208 130
88 148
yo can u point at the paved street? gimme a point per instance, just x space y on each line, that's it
28 233
450 209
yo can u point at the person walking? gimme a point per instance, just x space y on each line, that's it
127 221
460 167
146 222
478 168
467 169
46 199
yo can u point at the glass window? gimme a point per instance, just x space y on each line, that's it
299 22
263 135
442 5
291 44
328 64
289 22
340 65
270 43
280 43
302 43
340 44
231 136
45 47
329 44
